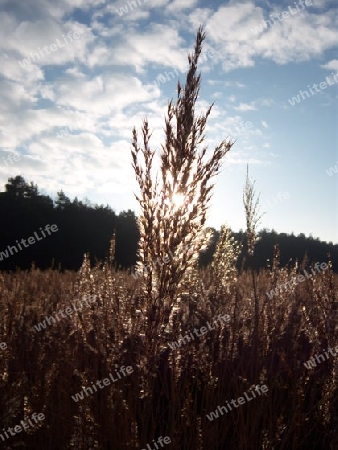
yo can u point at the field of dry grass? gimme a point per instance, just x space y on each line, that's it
169 392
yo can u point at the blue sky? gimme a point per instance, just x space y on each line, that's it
100 67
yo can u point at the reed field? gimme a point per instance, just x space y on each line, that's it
145 319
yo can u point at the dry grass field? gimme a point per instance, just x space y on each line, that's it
170 392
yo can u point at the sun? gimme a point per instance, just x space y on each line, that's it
178 200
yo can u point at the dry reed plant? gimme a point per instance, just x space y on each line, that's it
174 203
224 260
253 217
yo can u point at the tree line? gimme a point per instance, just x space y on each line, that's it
86 228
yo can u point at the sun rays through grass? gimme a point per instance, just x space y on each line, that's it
174 206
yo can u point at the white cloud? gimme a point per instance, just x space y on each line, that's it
331 65
104 94
297 38
217 94
234 84
178 5
265 125
162 45
245 107
198 16
266 102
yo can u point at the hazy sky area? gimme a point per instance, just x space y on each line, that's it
77 75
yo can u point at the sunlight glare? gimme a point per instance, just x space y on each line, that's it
178 200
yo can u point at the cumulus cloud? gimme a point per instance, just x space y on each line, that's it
331 65
297 38
69 114
180 5
245 107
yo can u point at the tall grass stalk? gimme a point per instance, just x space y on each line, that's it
253 217
174 203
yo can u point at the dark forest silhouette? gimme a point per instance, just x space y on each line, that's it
85 228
